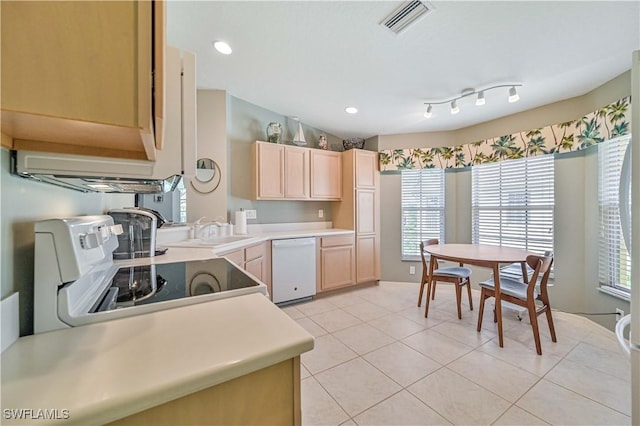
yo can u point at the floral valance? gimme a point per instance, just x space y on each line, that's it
606 123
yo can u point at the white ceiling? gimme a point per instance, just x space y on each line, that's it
312 59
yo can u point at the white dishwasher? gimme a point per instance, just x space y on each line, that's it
293 269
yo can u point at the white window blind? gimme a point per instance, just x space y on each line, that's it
614 260
513 203
422 209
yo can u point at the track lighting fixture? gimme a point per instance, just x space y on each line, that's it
454 107
513 95
480 99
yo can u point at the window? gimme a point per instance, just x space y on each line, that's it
614 260
422 209
513 203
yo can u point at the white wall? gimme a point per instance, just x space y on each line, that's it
24 202
212 143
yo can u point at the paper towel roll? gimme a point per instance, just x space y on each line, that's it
241 222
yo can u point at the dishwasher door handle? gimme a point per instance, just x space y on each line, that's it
299 242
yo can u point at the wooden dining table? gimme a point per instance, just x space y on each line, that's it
487 256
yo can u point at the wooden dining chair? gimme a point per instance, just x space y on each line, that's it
525 295
457 275
514 270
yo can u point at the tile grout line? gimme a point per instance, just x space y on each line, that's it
478 348
402 387
544 377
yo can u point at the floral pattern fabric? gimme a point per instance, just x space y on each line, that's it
606 123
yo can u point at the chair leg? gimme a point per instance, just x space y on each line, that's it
469 293
459 299
433 291
552 329
422 284
481 309
429 290
533 317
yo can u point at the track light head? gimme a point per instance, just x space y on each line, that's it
513 95
454 107
480 99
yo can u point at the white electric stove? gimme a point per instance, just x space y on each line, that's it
77 282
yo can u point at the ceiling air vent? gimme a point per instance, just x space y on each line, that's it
405 15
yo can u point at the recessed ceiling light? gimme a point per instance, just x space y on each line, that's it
222 47
351 110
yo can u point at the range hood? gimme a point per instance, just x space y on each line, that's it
91 174
175 160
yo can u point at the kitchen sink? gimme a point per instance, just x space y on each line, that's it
223 240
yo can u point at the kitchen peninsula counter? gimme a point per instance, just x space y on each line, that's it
166 238
107 371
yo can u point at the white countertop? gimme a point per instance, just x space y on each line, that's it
105 371
258 237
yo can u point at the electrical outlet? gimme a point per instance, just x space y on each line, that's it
320 213
251 214
619 314
412 270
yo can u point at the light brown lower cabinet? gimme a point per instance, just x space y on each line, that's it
337 262
367 268
255 267
236 257
256 260
270 396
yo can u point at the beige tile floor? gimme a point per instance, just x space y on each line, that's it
378 361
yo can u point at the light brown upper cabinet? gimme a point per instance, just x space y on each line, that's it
286 172
366 169
83 77
268 168
296 173
280 172
326 175
360 210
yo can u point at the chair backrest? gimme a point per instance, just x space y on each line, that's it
542 267
423 244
